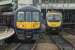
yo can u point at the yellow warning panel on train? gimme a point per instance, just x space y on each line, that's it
28 25
54 24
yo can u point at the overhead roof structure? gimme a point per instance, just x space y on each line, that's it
56 4
28 8
25 1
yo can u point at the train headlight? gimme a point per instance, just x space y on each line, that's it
36 24
20 25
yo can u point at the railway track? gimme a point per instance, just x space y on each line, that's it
25 45
71 31
30 45
69 37
44 44
61 42
20 46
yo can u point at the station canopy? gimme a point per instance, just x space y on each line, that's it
58 4
59 1
25 1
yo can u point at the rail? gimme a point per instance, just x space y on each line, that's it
61 42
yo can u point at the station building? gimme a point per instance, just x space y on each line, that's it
67 7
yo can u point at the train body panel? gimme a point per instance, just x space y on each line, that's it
28 25
54 24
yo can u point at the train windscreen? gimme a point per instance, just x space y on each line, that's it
54 18
35 17
20 16
32 17
28 16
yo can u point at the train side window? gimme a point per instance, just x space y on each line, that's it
20 16
35 16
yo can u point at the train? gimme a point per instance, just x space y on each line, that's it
28 23
54 22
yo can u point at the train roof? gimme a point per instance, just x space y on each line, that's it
28 8
51 13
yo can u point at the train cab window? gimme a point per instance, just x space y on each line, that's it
49 17
35 16
54 18
20 16
28 16
58 17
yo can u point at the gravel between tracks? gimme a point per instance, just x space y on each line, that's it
69 37
46 46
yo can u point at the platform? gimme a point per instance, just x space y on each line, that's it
6 33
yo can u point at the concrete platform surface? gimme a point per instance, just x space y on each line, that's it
46 46
6 33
